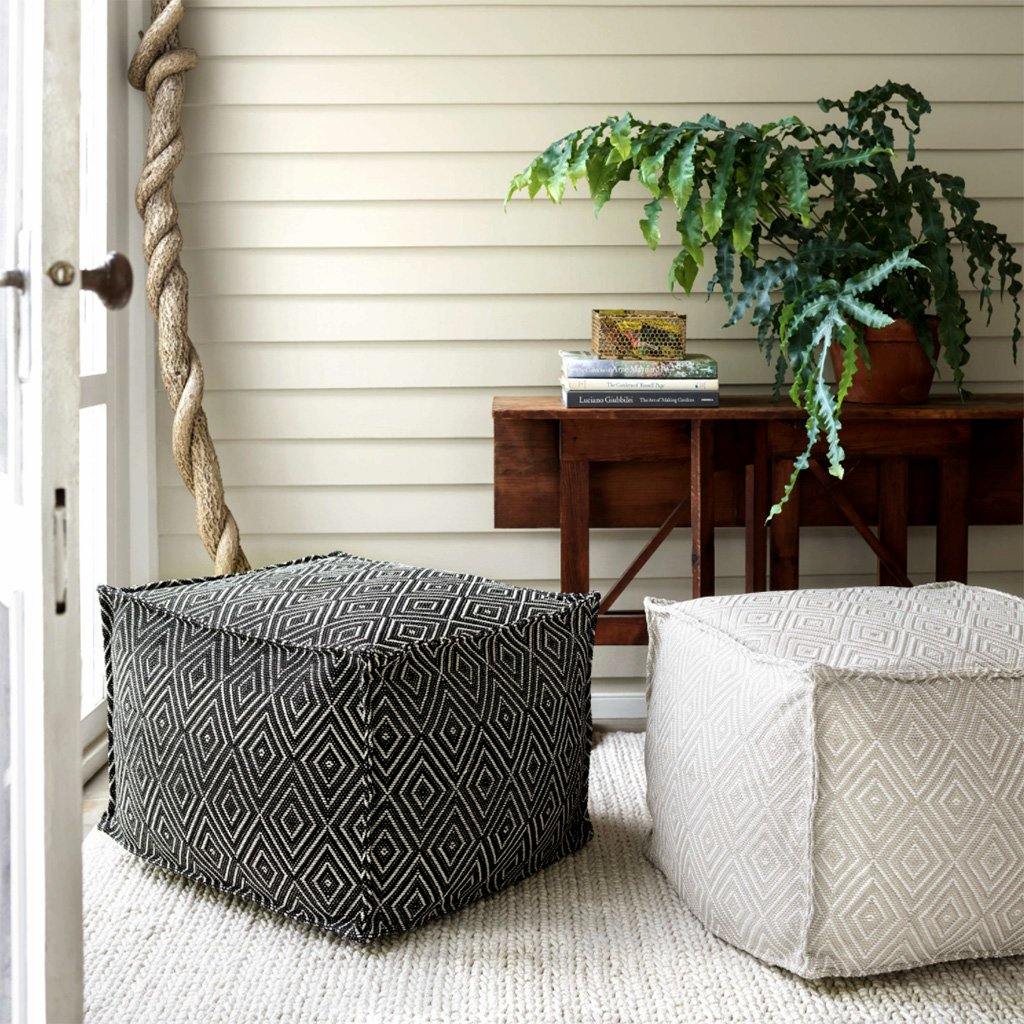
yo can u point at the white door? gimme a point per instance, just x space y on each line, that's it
46 385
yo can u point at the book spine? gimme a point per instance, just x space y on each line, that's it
673 384
638 399
700 367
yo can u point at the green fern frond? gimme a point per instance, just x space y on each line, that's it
873 276
862 238
715 208
649 223
680 174
794 176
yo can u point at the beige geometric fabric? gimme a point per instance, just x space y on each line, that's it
836 778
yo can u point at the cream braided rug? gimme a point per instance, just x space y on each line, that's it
599 937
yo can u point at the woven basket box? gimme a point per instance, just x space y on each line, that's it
638 334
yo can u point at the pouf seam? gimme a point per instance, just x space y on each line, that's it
832 676
816 973
812 675
570 602
372 908
132 598
957 585
665 608
192 580
185 581
107 615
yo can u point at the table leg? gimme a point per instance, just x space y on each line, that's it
574 520
893 502
784 560
951 531
702 507
755 513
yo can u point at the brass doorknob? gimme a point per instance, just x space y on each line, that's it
111 281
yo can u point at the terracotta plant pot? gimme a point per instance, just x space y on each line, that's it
900 372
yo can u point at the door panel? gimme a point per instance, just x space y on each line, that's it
39 502
8 300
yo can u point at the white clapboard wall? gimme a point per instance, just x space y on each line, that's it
360 297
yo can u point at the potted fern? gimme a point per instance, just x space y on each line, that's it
838 249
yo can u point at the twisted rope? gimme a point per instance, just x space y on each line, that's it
158 67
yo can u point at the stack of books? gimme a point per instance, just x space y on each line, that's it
589 382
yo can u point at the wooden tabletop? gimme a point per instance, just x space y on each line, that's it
1006 406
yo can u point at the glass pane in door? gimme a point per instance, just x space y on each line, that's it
6 919
92 330
6 248
92 570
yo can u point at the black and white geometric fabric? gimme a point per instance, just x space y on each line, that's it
358 745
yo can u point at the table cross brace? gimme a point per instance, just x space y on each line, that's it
643 557
856 520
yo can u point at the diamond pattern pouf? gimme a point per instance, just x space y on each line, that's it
836 777
358 745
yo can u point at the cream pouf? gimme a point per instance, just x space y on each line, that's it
836 777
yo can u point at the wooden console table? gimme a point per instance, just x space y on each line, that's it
947 463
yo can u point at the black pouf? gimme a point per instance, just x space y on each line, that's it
358 745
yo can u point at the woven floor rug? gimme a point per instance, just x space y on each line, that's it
598 937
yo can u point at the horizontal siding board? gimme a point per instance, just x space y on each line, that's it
497 317
457 271
526 30
332 462
434 412
521 127
627 80
356 509
322 365
433 223
534 554
275 177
